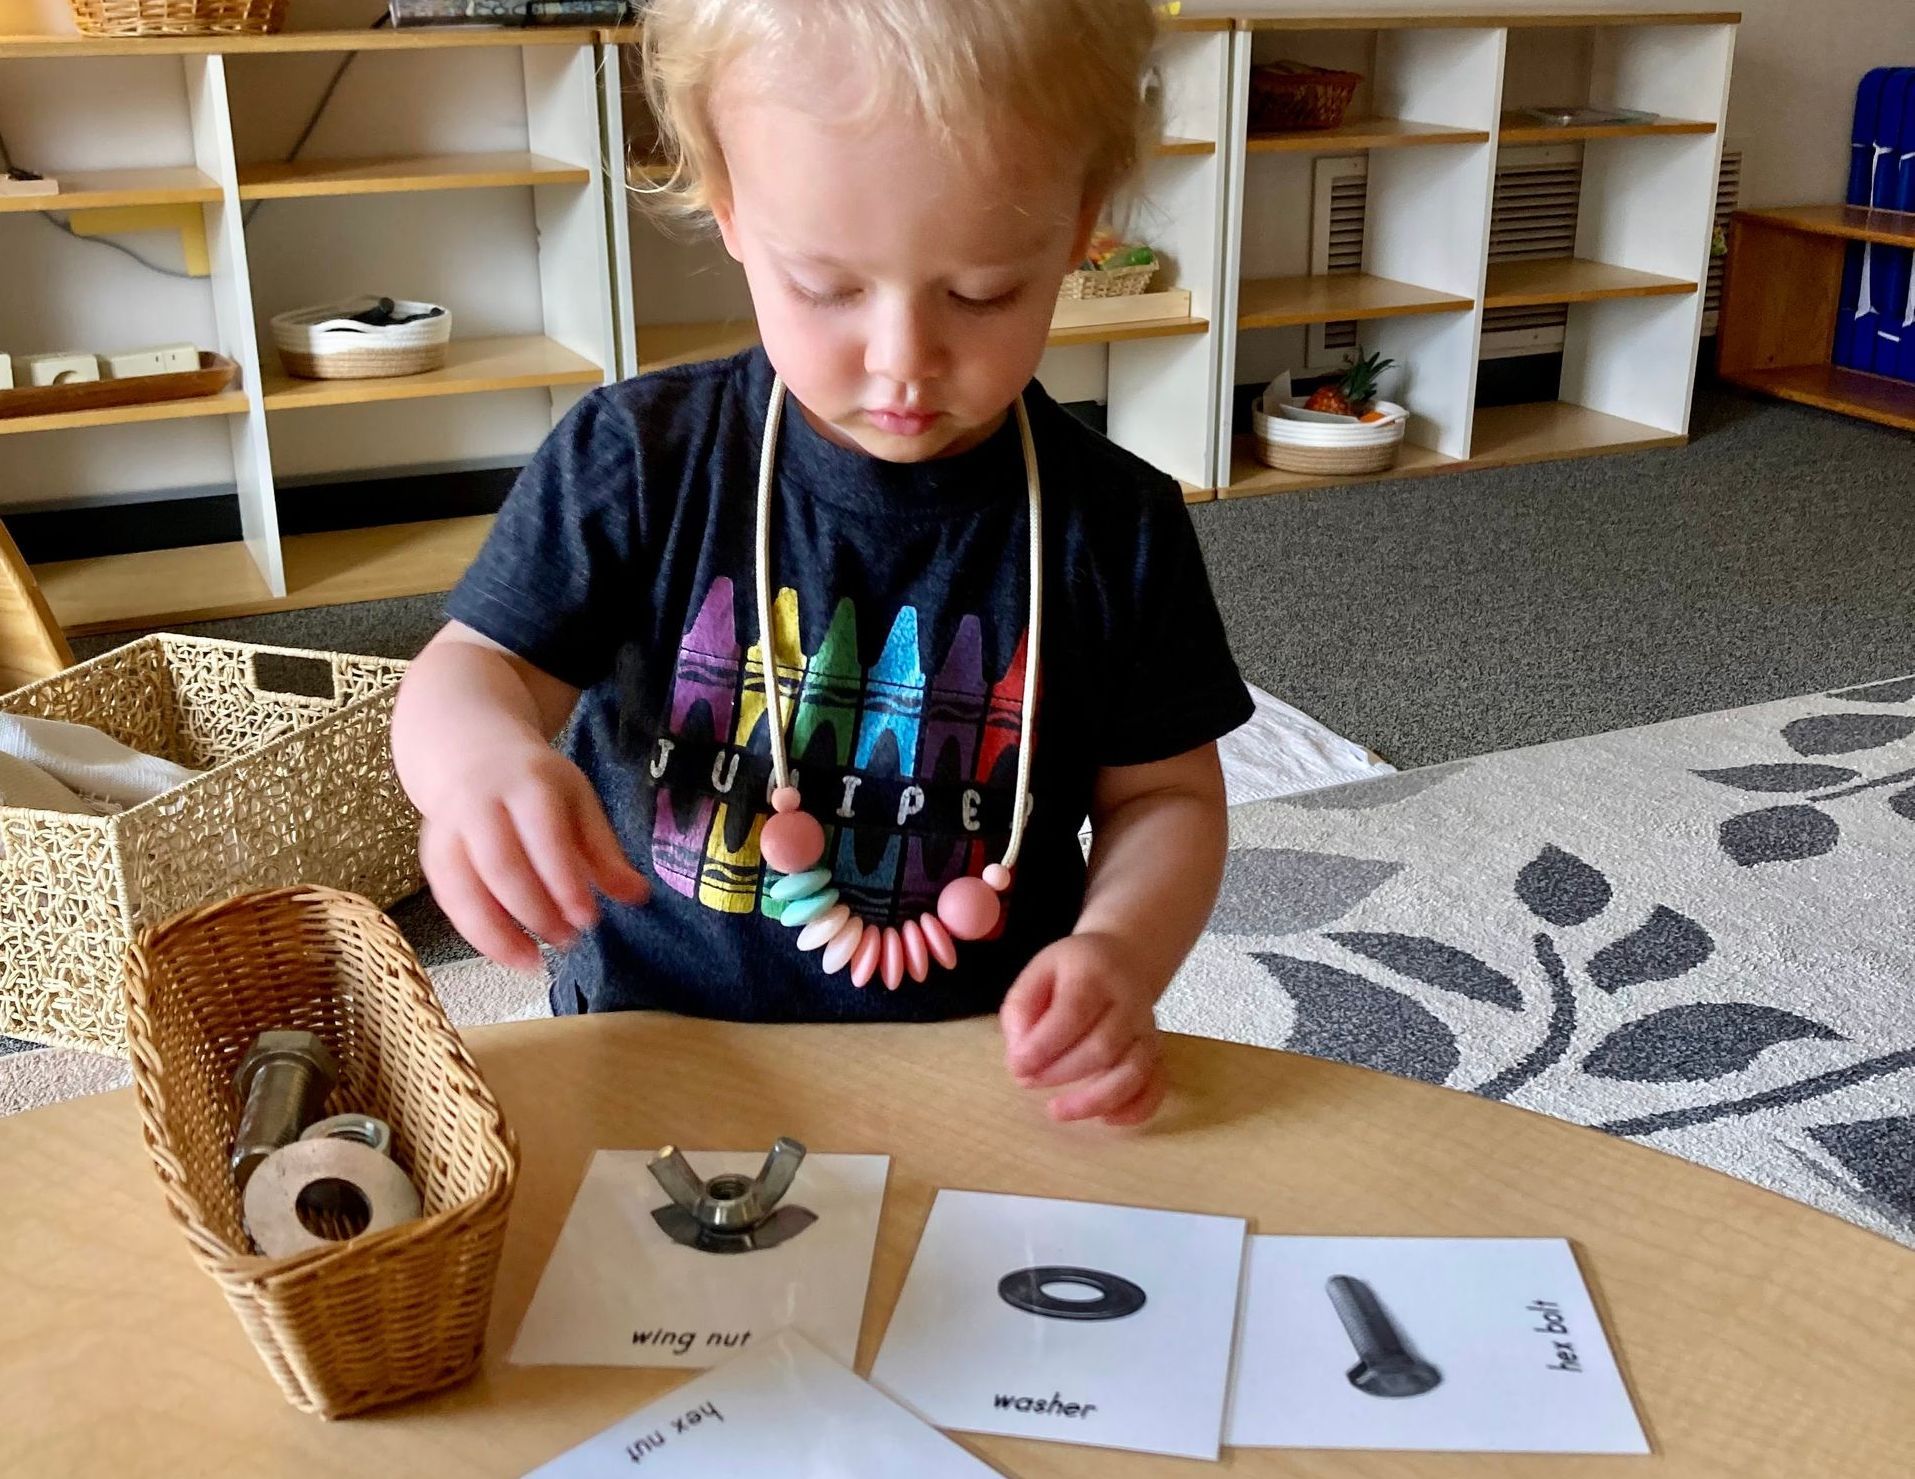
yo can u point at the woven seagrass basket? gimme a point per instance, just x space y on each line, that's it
295 787
1107 282
373 1319
178 17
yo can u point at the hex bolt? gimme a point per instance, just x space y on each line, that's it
1385 1367
282 1081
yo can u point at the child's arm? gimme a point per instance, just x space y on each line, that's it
513 830
1082 1014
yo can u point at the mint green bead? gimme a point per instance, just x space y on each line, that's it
800 885
805 910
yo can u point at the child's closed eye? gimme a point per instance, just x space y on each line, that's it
987 305
821 297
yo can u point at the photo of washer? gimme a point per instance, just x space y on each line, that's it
1112 1298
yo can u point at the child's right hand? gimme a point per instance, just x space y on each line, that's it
515 838
524 850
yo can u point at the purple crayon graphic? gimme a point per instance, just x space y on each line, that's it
704 697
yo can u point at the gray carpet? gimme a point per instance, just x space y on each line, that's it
1695 934
1435 618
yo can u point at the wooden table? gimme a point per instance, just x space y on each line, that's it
1759 1337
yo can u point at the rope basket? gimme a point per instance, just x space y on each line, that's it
326 343
295 786
377 1318
1112 282
178 17
1294 95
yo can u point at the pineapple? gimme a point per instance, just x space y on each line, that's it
1357 387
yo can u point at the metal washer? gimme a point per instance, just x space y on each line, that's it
1024 1290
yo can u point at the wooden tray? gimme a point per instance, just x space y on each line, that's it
214 374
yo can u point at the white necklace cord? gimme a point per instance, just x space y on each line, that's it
1034 627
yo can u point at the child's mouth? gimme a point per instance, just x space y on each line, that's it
902 423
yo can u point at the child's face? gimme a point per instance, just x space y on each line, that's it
905 295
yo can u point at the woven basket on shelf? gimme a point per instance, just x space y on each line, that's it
296 786
1315 447
1293 95
1107 282
377 1318
178 17
326 343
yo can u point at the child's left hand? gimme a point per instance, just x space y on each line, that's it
1079 1015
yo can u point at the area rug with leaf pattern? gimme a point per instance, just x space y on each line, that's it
1699 934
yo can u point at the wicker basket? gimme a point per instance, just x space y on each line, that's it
297 786
1107 282
1292 95
377 1318
1318 448
178 17
325 343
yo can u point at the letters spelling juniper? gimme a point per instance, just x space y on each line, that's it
1554 1324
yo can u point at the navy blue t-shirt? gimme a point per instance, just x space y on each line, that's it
622 564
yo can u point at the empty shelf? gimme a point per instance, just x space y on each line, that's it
1572 280
1282 302
308 178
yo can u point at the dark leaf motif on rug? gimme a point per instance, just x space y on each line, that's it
1561 889
1666 946
1385 790
1879 1154
1902 803
1281 890
1353 1020
1844 734
1780 777
1778 834
1556 1037
1436 964
1702 1040
1895 691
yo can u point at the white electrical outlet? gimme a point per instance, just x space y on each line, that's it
6 372
68 367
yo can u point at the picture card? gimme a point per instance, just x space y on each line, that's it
782 1410
1068 1321
618 1291
1501 1349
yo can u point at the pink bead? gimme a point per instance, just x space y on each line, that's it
864 965
784 799
997 876
891 964
939 940
792 841
917 956
968 907
822 930
838 953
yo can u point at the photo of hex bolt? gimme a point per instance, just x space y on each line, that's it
1385 1366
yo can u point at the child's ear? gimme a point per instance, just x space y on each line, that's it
721 213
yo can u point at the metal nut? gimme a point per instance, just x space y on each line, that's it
363 1128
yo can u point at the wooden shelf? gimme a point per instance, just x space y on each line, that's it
1430 20
1503 436
1519 128
1546 431
1849 222
1829 388
1169 148
1116 333
231 404
416 38
1363 133
208 582
83 190
1250 478
1572 280
473 367
1284 302
310 178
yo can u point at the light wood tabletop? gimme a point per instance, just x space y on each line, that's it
1759 1337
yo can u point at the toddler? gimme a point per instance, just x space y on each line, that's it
890 831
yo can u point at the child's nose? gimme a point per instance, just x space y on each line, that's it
906 344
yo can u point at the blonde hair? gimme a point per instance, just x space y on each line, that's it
1073 73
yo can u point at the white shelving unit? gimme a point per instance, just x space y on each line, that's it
683 299
1442 95
478 184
